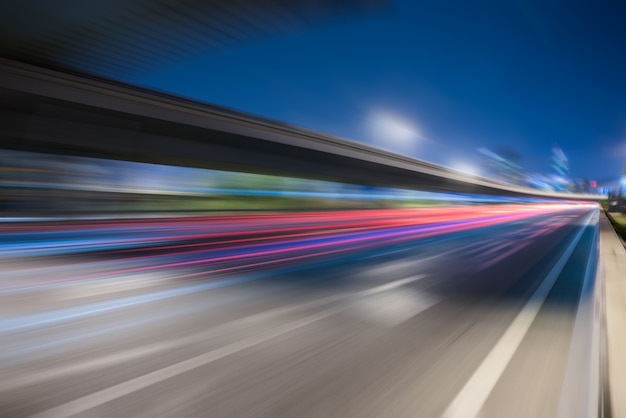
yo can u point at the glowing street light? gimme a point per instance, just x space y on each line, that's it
393 133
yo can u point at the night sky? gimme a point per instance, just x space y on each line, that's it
439 79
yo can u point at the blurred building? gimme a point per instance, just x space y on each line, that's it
562 180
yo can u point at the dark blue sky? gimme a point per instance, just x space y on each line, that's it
459 75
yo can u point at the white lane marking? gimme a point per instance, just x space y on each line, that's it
389 286
469 401
41 376
581 381
114 392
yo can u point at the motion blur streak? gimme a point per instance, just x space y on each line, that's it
385 312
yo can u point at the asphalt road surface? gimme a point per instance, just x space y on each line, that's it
443 312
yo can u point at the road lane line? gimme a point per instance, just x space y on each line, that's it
470 400
122 389
167 345
581 381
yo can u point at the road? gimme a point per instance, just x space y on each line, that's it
441 312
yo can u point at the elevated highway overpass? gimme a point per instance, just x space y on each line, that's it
54 111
